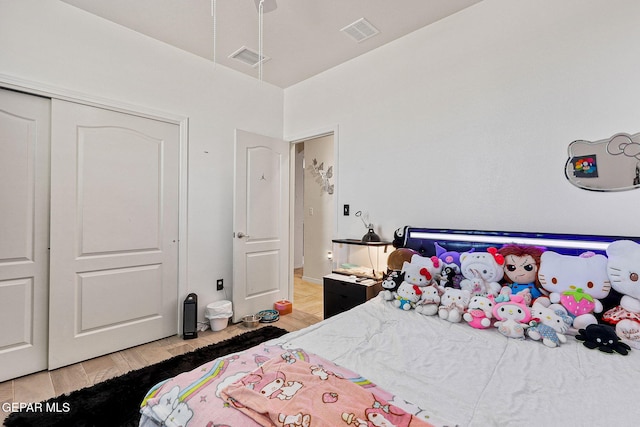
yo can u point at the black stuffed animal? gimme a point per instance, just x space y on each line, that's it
392 280
602 337
399 236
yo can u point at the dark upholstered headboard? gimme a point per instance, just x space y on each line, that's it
423 240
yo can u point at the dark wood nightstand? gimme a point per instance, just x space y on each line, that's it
342 293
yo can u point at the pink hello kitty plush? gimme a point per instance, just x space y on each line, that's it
480 312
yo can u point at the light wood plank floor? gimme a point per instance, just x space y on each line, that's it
308 309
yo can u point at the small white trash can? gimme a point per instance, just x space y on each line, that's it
218 314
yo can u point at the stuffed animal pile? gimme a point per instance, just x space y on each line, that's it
527 292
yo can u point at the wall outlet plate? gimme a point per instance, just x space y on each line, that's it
345 210
219 284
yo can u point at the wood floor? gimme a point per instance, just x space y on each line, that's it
307 310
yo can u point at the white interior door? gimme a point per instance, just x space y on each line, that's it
261 223
24 233
114 233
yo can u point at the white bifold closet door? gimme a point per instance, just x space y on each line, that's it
24 233
114 231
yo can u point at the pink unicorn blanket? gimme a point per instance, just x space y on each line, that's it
293 392
195 398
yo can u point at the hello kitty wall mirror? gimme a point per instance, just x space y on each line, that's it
611 164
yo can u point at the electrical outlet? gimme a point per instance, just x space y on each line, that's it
345 210
219 284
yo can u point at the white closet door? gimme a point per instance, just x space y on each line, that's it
114 231
24 233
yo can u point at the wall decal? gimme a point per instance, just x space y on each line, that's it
322 176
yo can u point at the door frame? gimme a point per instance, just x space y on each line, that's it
40 89
293 140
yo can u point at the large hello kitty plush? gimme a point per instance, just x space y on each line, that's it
578 283
623 269
429 267
482 272
453 304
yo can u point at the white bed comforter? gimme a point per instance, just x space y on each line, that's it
471 377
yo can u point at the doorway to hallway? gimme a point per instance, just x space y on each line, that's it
314 217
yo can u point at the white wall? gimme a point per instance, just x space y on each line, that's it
52 43
466 123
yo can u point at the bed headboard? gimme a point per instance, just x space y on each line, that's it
423 240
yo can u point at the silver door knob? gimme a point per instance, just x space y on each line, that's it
241 235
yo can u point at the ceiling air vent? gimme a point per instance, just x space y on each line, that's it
360 30
248 56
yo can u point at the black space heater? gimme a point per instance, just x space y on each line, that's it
189 313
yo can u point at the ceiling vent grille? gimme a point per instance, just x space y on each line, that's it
360 30
248 56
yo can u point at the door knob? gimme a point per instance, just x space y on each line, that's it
241 235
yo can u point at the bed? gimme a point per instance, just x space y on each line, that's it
439 372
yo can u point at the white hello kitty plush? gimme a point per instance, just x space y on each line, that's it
429 301
482 272
623 269
548 324
423 271
408 296
578 283
453 304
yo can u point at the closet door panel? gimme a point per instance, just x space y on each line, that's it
114 237
24 233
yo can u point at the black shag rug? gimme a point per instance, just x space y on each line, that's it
116 402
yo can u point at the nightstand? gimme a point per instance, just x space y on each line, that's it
342 293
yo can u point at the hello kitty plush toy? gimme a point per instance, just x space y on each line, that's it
480 312
429 267
513 317
429 301
577 283
408 296
623 269
549 324
453 304
482 272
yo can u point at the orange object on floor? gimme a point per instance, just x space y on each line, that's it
283 307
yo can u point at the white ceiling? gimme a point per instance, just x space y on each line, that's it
302 37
